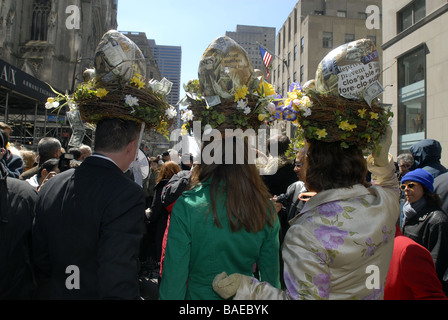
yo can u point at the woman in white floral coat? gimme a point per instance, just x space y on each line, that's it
341 244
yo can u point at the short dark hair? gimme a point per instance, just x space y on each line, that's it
47 148
76 152
330 166
114 134
3 139
49 165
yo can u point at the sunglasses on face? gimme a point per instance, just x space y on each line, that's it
408 186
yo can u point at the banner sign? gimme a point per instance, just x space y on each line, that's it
23 83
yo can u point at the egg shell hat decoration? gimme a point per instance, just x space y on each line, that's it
117 87
229 93
341 104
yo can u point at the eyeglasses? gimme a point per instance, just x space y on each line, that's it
408 186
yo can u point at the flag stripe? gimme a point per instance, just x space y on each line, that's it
267 59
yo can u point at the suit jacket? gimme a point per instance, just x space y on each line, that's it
412 274
92 218
16 276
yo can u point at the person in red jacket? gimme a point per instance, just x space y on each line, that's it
412 274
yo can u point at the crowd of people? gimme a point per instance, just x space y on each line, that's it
308 230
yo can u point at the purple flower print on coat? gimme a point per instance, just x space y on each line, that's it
375 295
331 209
371 247
322 282
292 285
330 236
386 235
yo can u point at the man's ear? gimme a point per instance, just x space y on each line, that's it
131 146
44 173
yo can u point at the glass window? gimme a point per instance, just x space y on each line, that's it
39 25
349 37
411 14
327 40
362 15
295 52
342 14
302 73
302 44
411 98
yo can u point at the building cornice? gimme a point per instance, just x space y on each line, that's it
429 18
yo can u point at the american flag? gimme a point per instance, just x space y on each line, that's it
267 59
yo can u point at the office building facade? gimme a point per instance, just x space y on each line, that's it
415 71
169 61
251 38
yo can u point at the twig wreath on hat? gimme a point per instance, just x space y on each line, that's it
229 93
116 88
341 104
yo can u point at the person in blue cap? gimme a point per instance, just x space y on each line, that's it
424 220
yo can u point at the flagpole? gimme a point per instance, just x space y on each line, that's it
281 59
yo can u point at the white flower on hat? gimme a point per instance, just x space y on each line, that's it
242 104
131 101
51 104
171 113
187 116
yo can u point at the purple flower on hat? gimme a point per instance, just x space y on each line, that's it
290 115
295 86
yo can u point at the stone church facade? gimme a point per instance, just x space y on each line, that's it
54 40
42 43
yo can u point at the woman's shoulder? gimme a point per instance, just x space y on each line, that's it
438 216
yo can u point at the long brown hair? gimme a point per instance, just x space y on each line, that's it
330 166
169 169
247 199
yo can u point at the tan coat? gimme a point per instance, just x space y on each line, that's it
341 245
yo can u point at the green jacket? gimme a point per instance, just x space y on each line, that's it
197 250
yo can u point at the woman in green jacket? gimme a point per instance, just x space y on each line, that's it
225 221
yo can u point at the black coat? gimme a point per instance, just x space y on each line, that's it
279 182
16 274
158 221
429 228
91 217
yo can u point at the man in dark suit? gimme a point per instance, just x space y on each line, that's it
90 221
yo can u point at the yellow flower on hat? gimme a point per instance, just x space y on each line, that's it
374 116
241 93
321 133
362 113
137 81
346 126
267 87
101 93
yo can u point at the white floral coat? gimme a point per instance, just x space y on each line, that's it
341 245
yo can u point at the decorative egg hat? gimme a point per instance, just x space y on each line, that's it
341 104
229 93
117 88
